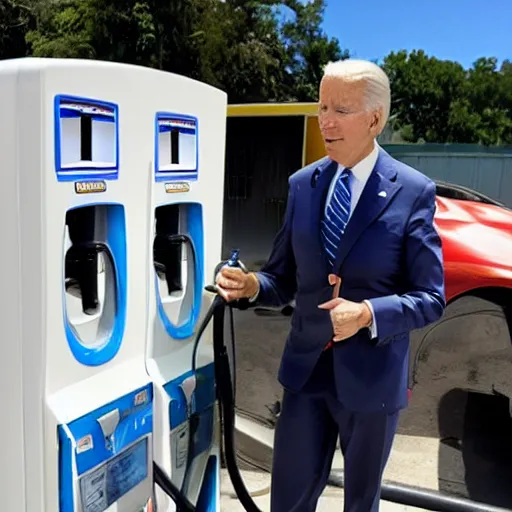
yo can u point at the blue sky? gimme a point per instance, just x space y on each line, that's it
461 30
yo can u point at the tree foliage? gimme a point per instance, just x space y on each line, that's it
236 45
440 101
244 48
307 48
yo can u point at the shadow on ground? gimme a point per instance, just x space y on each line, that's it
475 452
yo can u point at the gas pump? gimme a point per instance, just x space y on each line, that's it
185 245
78 436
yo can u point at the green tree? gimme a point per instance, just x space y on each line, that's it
233 45
63 33
439 101
120 30
423 90
241 47
308 49
15 19
240 50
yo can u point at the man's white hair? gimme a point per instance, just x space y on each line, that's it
377 90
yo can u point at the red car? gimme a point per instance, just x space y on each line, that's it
471 344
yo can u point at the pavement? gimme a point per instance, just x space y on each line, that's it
448 439
330 501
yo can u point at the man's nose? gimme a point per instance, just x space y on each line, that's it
327 120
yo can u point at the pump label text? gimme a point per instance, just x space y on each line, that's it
90 187
178 186
84 444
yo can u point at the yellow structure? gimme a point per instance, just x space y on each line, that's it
313 146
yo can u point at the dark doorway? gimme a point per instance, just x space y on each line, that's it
261 153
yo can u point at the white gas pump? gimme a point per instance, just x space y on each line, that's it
186 225
77 429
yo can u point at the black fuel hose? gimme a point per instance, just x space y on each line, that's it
422 498
227 404
180 500
226 400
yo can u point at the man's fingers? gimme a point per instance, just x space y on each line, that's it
230 284
232 278
330 304
229 295
340 334
236 282
224 294
232 272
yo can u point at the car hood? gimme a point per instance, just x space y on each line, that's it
475 233
457 211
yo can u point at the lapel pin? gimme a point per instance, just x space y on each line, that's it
382 193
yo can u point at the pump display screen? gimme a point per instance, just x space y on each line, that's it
86 134
103 486
176 144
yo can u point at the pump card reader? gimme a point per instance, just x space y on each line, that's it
106 456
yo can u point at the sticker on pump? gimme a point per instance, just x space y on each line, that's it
140 398
177 186
84 444
90 187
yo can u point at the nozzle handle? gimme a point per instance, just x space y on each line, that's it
234 260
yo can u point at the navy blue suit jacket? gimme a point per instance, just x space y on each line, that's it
390 254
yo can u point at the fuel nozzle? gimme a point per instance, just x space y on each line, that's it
234 260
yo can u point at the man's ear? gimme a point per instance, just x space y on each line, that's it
375 121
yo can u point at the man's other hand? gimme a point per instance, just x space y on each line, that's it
233 284
347 317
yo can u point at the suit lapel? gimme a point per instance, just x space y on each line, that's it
325 173
378 193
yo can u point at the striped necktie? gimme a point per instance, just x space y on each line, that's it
336 216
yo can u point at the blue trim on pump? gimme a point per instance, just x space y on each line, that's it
116 242
195 231
182 174
106 112
203 398
207 500
136 422
203 407
66 499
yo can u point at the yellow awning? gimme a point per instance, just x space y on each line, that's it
272 109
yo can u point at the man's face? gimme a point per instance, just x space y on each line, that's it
348 128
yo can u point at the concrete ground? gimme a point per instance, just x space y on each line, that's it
331 500
448 439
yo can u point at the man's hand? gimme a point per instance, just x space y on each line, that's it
347 317
233 284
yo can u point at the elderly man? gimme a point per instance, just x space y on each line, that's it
359 252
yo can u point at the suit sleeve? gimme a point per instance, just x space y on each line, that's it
277 278
425 301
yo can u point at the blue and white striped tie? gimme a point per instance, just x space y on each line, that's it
336 216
